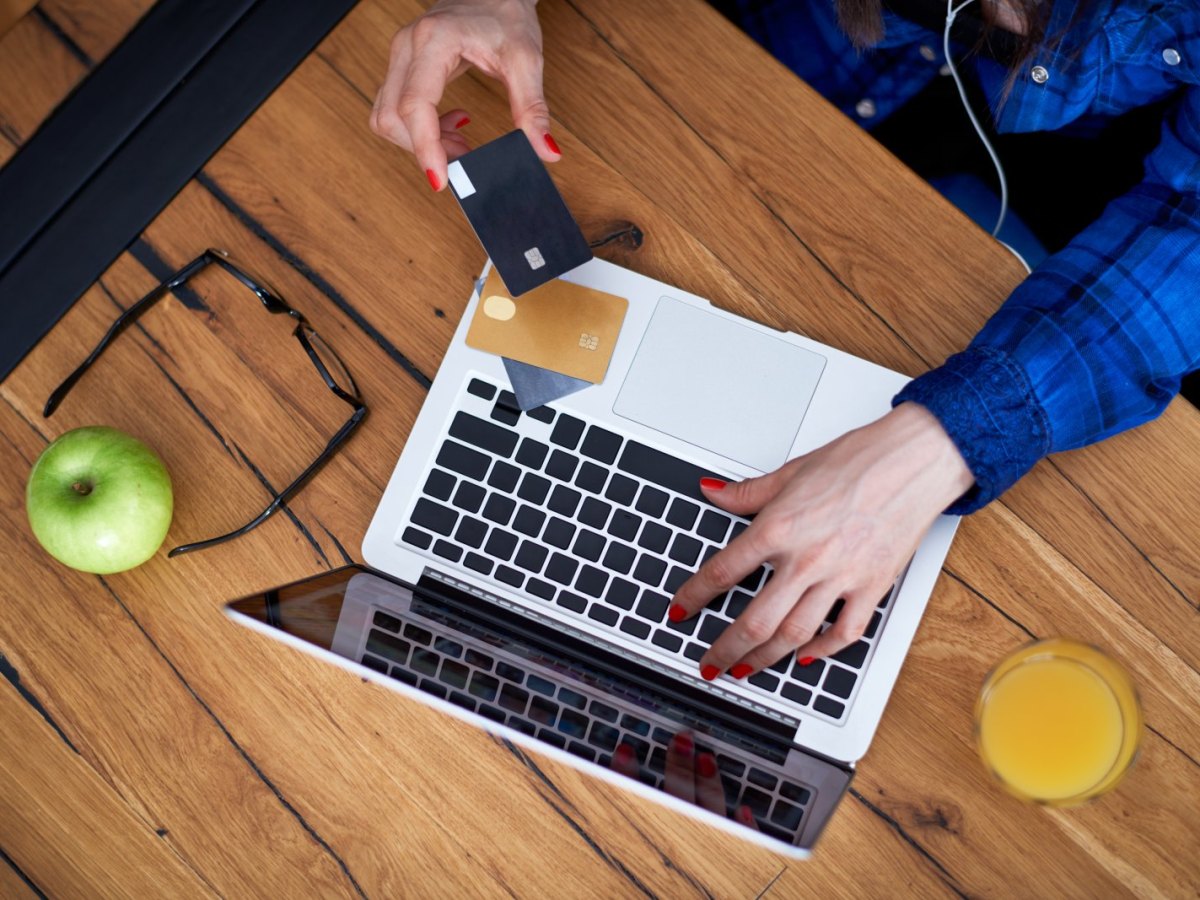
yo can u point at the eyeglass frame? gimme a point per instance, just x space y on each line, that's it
273 304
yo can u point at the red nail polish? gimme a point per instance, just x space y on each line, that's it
433 179
706 765
745 815
676 613
741 670
551 144
623 753
465 120
805 661
683 744
713 484
708 673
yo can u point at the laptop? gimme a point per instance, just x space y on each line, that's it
522 564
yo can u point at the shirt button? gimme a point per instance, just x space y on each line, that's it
927 53
1171 57
1039 74
865 108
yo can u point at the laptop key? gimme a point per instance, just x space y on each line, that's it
604 614
636 627
829 707
469 497
542 414
589 545
737 603
621 489
809 674
795 793
499 509
619 557
653 606
484 686
446 550
796 694
570 601
621 593
477 659
506 415
532 453
839 682
624 525
529 521
687 626
601 445
572 723
543 711
752 581
510 672
583 750
534 488
603 710
640 748
561 569
650 570
675 579
666 640
543 590
504 477
853 656
386 622
559 533
873 627
714 526
764 680
591 581
685 550
432 687
562 465
787 816
463 460
711 628
683 513
440 484
531 556
377 665
758 802
604 736
834 611
483 434
591 477
509 576
763 779
435 517
567 431
471 532
417 634
654 537
541 685
636 725
553 738
694 651
501 544
478 563
663 469
658 760
594 513
481 388
564 500
416 537
392 648
652 501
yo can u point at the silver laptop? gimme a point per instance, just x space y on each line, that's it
526 561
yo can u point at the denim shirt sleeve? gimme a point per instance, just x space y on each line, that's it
1097 339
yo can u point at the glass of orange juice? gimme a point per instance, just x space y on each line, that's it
1058 722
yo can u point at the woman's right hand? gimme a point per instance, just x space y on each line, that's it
502 38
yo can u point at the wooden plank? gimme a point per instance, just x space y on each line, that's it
11 12
31 56
96 28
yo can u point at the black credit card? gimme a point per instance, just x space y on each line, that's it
517 213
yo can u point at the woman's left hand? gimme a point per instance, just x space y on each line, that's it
840 522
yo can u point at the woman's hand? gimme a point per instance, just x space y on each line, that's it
500 37
840 522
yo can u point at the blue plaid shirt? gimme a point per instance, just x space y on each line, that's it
1098 338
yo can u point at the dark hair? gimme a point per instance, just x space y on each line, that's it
862 20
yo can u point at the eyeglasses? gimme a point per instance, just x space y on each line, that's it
327 363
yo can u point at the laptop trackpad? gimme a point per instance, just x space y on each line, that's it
720 385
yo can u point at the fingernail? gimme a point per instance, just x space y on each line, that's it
433 179
676 613
708 673
465 120
551 144
805 661
706 765
746 815
623 753
713 484
741 670
683 744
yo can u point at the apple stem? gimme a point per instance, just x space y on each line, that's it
82 489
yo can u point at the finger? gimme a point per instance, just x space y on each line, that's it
851 622
719 573
385 115
746 816
522 76
710 793
624 760
749 496
417 106
452 121
756 625
455 145
679 778
797 628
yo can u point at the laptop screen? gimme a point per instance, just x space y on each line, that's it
542 688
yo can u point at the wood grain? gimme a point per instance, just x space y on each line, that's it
265 768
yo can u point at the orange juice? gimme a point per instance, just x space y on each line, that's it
1058 722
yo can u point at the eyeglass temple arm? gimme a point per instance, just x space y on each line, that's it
287 493
123 321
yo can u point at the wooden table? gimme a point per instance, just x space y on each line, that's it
150 747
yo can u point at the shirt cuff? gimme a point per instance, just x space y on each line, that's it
986 404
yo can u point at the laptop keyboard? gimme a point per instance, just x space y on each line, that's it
571 719
605 527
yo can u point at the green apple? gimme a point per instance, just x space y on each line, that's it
99 500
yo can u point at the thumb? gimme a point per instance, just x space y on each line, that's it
744 497
523 78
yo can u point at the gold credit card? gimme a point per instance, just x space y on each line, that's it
558 326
